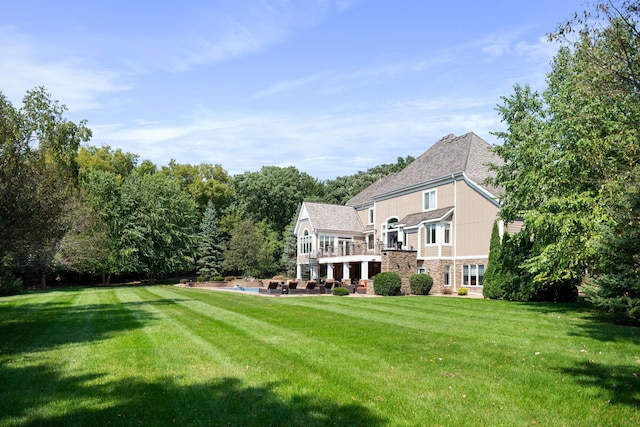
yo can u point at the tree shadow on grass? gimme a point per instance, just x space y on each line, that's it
591 323
48 399
41 326
619 384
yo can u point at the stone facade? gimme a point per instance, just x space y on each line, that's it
401 262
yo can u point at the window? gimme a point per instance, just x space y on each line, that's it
421 270
370 215
447 233
326 244
429 200
447 275
472 274
430 234
305 243
371 243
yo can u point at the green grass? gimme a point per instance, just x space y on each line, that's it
165 355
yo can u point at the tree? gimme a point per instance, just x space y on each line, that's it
102 193
343 188
290 248
205 183
158 226
85 246
566 151
274 193
210 247
245 251
38 174
494 281
615 287
103 158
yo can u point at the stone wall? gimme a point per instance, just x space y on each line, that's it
401 262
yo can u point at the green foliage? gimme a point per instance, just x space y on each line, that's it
9 283
340 190
91 158
290 248
210 245
38 173
568 152
462 291
496 276
420 283
205 183
158 222
340 291
216 279
387 283
246 250
615 287
274 194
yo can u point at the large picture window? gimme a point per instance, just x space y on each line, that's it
472 274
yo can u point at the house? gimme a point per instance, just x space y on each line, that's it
435 216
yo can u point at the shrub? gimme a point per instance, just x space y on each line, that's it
387 283
201 279
420 284
462 291
340 291
10 285
216 279
447 290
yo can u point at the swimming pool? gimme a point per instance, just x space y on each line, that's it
243 289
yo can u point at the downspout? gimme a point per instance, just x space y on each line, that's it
455 233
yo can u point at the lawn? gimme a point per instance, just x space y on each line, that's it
166 355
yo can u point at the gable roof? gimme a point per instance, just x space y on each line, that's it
324 216
450 155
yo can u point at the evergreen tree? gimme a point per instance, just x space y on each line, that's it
210 248
289 252
493 275
616 285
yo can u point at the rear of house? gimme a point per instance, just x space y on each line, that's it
434 217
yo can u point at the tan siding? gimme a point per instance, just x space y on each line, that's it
304 224
412 240
473 221
430 251
364 216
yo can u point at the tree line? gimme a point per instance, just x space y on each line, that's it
70 209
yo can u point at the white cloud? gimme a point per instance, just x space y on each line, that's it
497 49
70 80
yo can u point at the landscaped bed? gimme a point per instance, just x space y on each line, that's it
186 356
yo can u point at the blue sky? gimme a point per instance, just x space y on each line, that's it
329 86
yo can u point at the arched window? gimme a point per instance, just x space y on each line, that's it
305 242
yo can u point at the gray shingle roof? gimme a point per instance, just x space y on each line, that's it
324 216
415 219
451 154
